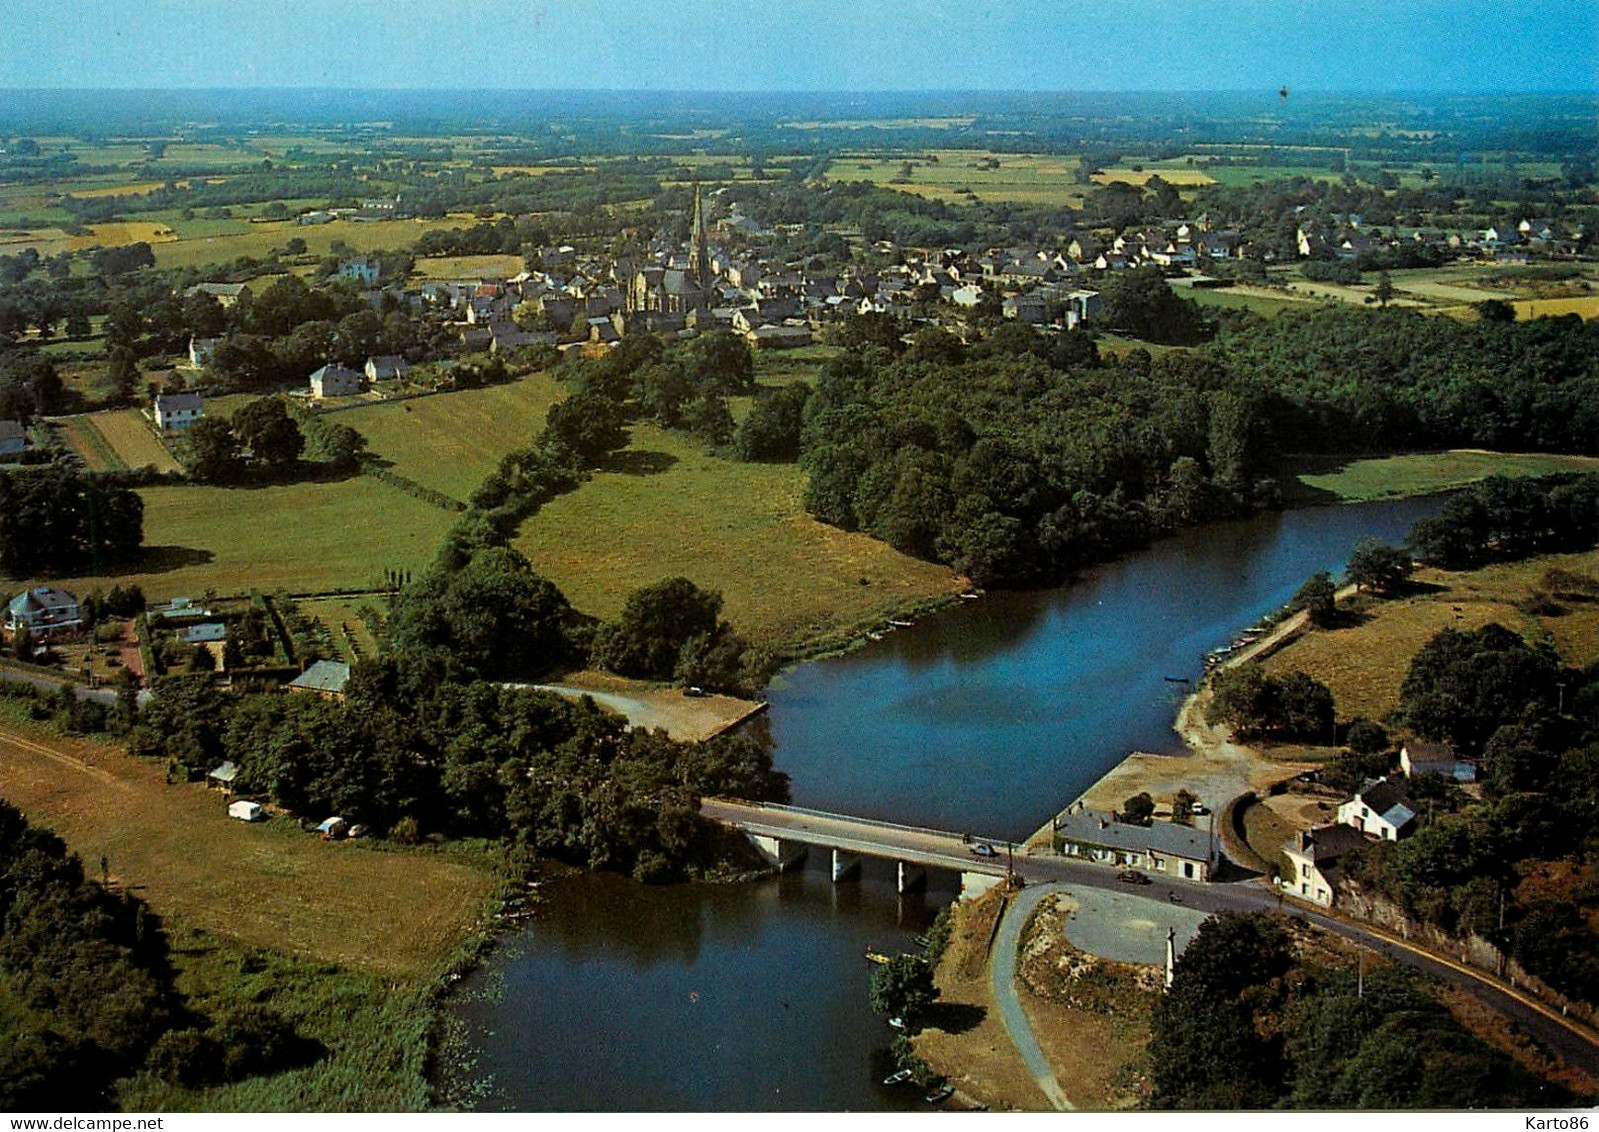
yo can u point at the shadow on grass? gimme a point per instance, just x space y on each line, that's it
162 559
633 463
953 1017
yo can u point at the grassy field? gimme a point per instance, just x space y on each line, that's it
450 442
1230 299
302 537
1422 473
347 940
257 240
131 437
738 528
1179 176
1365 665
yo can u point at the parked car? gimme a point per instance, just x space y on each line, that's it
982 849
1132 876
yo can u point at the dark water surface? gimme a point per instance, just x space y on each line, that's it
988 717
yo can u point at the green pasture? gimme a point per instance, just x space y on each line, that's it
302 537
1226 299
1422 473
1047 179
450 442
667 508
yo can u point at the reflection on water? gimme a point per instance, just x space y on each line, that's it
987 717
622 997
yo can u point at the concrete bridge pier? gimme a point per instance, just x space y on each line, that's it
911 877
784 854
845 865
974 885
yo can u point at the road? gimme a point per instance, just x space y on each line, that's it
1002 977
107 696
943 849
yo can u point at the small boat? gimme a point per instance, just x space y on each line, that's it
874 636
1175 679
901 624
897 1022
877 957
940 1094
897 1078
970 596
921 941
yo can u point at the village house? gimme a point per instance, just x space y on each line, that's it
1380 808
1314 856
224 293
334 380
325 678
201 351
43 611
1163 847
176 412
362 269
386 367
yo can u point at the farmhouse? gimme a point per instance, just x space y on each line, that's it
334 380
386 367
1313 858
43 610
325 678
1161 847
175 412
1380 808
224 293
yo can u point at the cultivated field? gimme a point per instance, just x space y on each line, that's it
1365 665
131 438
738 528
1422 473
344 614
1181 177
302 537
257 240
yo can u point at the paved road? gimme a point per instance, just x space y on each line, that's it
941 849
107 696
1002 977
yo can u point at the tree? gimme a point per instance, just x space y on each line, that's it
771 432
272 436
1318 598
1377 567
902 988
587 425
1385 289
212 451
655 624
1139 809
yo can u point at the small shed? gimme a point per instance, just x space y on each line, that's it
247 811
222 777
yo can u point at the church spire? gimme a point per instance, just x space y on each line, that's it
699 249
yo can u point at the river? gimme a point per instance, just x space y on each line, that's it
987 717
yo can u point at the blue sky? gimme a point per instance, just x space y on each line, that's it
810 45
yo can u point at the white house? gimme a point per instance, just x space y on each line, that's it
334 380
967 296
1163 847
43 610
176 412
1381 809
386 367
1314 856
201 351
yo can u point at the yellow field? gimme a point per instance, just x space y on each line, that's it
130 436
1366 664
137 190
119 232
470 267
260 239
1191 178
1586 306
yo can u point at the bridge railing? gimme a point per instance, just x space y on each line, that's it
875 822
